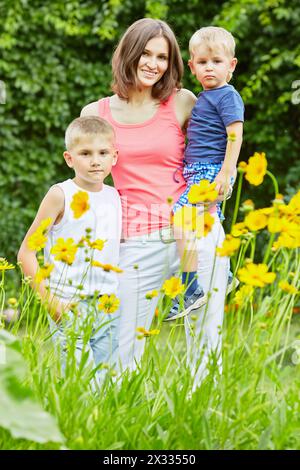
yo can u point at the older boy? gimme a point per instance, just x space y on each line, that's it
82 220
218 112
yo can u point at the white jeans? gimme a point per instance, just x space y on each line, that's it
147 262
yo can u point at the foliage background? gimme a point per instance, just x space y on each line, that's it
55 58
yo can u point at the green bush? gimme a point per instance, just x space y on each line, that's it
55 58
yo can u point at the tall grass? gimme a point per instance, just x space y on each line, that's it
253 403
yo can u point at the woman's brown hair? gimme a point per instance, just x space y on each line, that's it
129 50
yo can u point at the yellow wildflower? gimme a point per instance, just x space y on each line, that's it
242 166
106 267
147 333
256 168
274 224
256 220
247 206
45 224
37 241
4 265
43 272
243 294
108 303
268 211
12 301
97 244
173 287
289 288
151 295
256 275
186 218
202 192
295 202
64 250
238 229
80 204
204 224
229 247
231 136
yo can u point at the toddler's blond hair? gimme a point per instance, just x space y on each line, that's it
213 37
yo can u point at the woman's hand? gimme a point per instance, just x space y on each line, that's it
57 308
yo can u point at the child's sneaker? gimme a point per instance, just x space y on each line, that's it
191 302
233 283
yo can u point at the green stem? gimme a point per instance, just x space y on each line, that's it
274 181
253 248
269 247
237 200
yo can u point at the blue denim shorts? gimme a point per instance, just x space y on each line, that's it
193 173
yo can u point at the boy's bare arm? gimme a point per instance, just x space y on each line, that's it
233 148
52 206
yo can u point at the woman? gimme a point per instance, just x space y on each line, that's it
149 112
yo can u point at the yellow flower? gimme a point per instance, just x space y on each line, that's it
45 224
108 303
242 166
37 240
151 295
107 267
247 206
204 224
97 244
290 234
202 192
229 247
256 220
256 168
172 287
294 204
65 250
12 301
238 229
256 275
274 224
147 333
4 265
268 211
286 287
243 294
292 209
80 204
43 272
231 136
186 218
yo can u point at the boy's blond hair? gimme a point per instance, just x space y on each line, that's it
213 37
87 125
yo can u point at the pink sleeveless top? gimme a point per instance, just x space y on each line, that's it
149 168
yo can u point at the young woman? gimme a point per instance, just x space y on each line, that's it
149 112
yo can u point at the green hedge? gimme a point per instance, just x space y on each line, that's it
55 58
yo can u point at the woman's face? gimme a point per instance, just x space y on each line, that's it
153 62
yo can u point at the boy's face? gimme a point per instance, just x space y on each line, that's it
92 158
211 67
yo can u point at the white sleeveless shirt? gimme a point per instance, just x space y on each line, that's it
103 218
